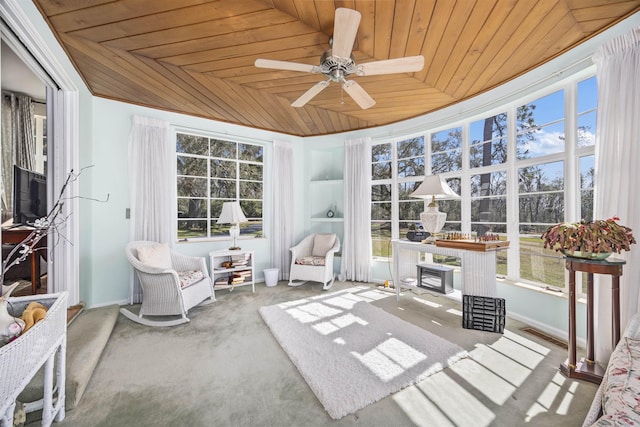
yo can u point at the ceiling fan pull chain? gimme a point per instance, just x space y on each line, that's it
341 94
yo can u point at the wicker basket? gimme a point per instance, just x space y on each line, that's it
21 359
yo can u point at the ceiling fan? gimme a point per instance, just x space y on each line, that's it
337 63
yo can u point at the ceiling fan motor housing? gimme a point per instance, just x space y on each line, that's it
336 68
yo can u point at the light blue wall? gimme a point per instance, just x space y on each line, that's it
108 276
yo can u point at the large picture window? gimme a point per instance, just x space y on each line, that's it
212 171
517 172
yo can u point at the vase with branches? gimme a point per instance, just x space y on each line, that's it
51 226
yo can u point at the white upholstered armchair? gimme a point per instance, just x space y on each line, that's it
172 283
312 260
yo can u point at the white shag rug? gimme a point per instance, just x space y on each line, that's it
352 353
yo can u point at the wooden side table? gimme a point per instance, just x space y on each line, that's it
587 368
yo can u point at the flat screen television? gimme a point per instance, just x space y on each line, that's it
29 195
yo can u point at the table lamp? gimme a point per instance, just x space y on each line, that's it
433 187
232 214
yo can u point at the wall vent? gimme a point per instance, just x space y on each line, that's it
545 337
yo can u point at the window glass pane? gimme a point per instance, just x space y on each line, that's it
489 209
381 171
446 140
224 149
453 209
251 171
192 187
194 166
223 189
406 188
223 169
542 177
540 126
250 152
192 144
587 95
446 149
587 107
586 129
413 147
541 141
381 211
537 263
541 208
446 162
251 208
411 167
381 192
489 184
411 210
586 187
192 229
250 190
542 111
381 153
488 141
381 239
192 208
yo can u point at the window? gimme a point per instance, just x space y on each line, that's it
381 199
40 138
210 172
511 169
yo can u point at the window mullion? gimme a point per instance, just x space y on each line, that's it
513 211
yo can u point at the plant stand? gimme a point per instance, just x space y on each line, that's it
43 345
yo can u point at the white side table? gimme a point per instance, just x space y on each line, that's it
230 269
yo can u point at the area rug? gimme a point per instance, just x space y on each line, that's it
352 353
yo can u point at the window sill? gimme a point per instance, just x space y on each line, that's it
534 288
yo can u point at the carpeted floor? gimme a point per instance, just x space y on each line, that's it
226 369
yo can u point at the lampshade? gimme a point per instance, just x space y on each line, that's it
231 214
434 187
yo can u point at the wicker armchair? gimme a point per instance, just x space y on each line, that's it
168 291
312 260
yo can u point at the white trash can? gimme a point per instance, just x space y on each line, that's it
271 276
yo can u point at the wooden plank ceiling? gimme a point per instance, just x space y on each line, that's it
196 56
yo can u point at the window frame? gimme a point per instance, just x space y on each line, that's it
220 232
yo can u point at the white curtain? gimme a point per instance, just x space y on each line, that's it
356 247
281 238
618 172
18 143
151 185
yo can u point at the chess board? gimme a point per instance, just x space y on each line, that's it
473 245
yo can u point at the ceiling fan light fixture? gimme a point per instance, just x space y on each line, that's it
338 62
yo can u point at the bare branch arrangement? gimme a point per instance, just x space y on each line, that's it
51 225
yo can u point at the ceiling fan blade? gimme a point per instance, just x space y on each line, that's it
408 64
358 94
345 27
308 95
286 65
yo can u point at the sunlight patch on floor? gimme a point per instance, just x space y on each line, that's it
518 352
485 381
420 410
458 404
500 364
559 389
427 302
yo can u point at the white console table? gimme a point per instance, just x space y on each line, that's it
478 267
